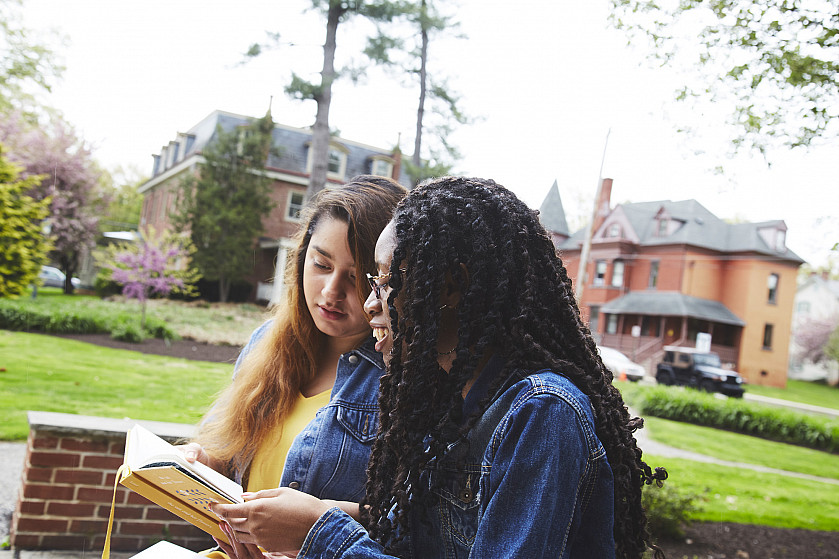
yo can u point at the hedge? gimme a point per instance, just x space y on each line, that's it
20 316
740 416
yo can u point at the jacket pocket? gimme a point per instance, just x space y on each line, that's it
361 424
459 502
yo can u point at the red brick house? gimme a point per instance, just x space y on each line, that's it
660 272
288 168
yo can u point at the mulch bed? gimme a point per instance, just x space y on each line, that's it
186 349
707 540
711 540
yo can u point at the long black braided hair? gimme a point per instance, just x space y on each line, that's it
517 299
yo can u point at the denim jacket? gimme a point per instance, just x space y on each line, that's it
532 480
328 459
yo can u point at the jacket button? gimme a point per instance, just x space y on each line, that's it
353 359
294 485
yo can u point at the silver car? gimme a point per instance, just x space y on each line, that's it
53 277
620 365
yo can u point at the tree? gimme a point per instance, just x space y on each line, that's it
335 12
410 56
158 265
71 181
222 207
23 245
778 60
26 66
812 337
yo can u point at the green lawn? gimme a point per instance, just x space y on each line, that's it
735 447
227 323
748 497
46 373
800 391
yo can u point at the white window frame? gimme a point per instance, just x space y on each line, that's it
618 273
387 163
290 204
599 279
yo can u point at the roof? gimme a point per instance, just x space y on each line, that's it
671 303
292 143
693 224
552 214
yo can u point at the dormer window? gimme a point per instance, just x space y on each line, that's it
780 240
336 163
336 158
381 166
614 231
663 223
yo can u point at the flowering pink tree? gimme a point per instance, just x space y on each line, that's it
71 179
812 337
157 265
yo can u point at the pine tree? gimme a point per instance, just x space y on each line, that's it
223 206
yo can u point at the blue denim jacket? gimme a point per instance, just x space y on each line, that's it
328 459
531 481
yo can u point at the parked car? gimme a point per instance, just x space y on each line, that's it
53 277
698 369
620 364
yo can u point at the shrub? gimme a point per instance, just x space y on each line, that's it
741 416
668 511
128 332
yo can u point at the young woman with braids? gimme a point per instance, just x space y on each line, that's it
302 410
500 433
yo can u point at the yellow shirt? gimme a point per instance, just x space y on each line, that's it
266 469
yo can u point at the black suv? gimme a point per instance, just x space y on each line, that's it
698 369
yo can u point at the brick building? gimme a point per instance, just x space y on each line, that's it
289 169
660 272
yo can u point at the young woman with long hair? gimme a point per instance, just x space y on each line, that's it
302 411
501 434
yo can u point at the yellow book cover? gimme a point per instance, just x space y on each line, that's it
159 472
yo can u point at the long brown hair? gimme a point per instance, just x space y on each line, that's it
270 376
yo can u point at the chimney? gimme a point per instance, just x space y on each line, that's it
603 205
397 164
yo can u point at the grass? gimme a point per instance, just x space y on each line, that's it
730 494
734 447
802 392
45 373
216 323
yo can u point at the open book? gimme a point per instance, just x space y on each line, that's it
159 472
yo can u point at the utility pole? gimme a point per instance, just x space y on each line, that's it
585 253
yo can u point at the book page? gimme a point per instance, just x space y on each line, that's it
144 450
165 550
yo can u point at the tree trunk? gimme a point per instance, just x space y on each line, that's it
223 288
320 131
69 263
417 160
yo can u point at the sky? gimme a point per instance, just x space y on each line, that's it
556 95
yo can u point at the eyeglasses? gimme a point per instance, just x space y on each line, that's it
378 282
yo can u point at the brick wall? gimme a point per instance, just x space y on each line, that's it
68 483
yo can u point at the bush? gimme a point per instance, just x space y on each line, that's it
741 416
128 332
104 286
156 328
668 511
78 318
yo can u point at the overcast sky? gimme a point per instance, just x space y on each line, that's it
548 80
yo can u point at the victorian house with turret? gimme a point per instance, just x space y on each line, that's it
661 272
